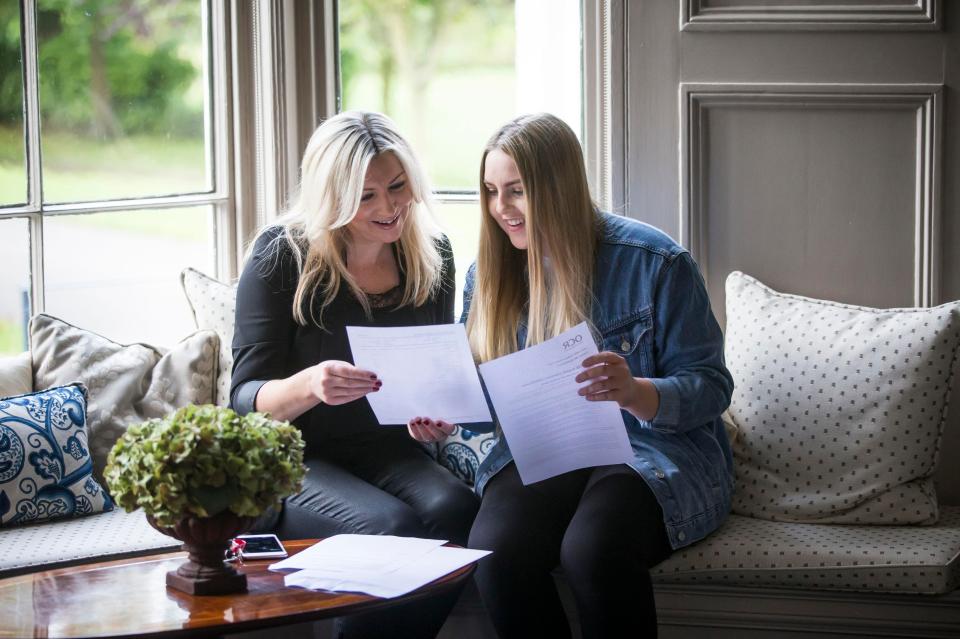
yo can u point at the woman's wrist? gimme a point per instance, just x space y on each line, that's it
646 400
287 399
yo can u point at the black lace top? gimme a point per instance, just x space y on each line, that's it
387 298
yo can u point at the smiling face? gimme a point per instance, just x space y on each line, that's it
506 198
385 203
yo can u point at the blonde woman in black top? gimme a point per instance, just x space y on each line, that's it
357 247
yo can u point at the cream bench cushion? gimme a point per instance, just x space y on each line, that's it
756 552
110 535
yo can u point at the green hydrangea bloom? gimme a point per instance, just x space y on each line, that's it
202 460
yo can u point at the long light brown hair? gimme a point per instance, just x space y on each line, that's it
331 184
561 225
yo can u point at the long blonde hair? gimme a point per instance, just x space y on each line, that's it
561 223
331 184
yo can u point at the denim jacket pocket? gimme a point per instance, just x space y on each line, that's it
631 337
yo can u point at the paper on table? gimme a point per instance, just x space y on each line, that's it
426 371
412 574
358 552
549 427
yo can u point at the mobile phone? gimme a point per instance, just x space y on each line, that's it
262 547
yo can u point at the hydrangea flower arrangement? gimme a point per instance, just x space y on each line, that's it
203 460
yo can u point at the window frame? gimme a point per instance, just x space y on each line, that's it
286 81
218 112
602 98
275 76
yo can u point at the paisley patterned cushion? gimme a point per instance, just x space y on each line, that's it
462 452
45 464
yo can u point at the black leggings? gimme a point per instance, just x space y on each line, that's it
382 484
602 525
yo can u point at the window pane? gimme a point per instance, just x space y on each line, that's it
450 72
118 273
122 90
13 168
461 223
14 284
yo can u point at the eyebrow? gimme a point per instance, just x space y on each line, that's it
511 183
392 180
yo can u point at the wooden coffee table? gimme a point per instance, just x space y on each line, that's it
129 598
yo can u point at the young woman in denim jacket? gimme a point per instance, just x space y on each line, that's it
548 259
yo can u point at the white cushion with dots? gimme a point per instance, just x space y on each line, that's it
839 409
213 304
755 552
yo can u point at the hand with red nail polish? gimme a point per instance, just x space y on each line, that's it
335 382
424 429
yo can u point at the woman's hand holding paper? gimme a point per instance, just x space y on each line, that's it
424 429
335 382
611 380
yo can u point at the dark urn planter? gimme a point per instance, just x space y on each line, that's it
206 539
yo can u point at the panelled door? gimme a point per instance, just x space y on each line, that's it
812 144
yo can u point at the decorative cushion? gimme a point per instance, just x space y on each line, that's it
754 552
839 409
45 465
214 304
112 535
462 452
128 383
16 375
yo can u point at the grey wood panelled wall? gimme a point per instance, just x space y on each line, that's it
814 145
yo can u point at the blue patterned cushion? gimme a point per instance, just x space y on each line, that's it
462 452
45 465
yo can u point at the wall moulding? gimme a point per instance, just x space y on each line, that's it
920 101
809 15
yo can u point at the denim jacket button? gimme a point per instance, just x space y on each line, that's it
681 535
659 473
624 346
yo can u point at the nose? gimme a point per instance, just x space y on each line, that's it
499 205
384 200
396 199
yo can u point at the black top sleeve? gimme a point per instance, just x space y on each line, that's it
264 326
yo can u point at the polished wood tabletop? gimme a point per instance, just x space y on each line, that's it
129 598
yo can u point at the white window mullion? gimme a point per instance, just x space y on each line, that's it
31 123
159 202
218 111
456 196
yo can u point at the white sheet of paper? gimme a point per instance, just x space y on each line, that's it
412 574
427 371
346 553
549 427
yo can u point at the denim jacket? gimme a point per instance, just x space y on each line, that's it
651 307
